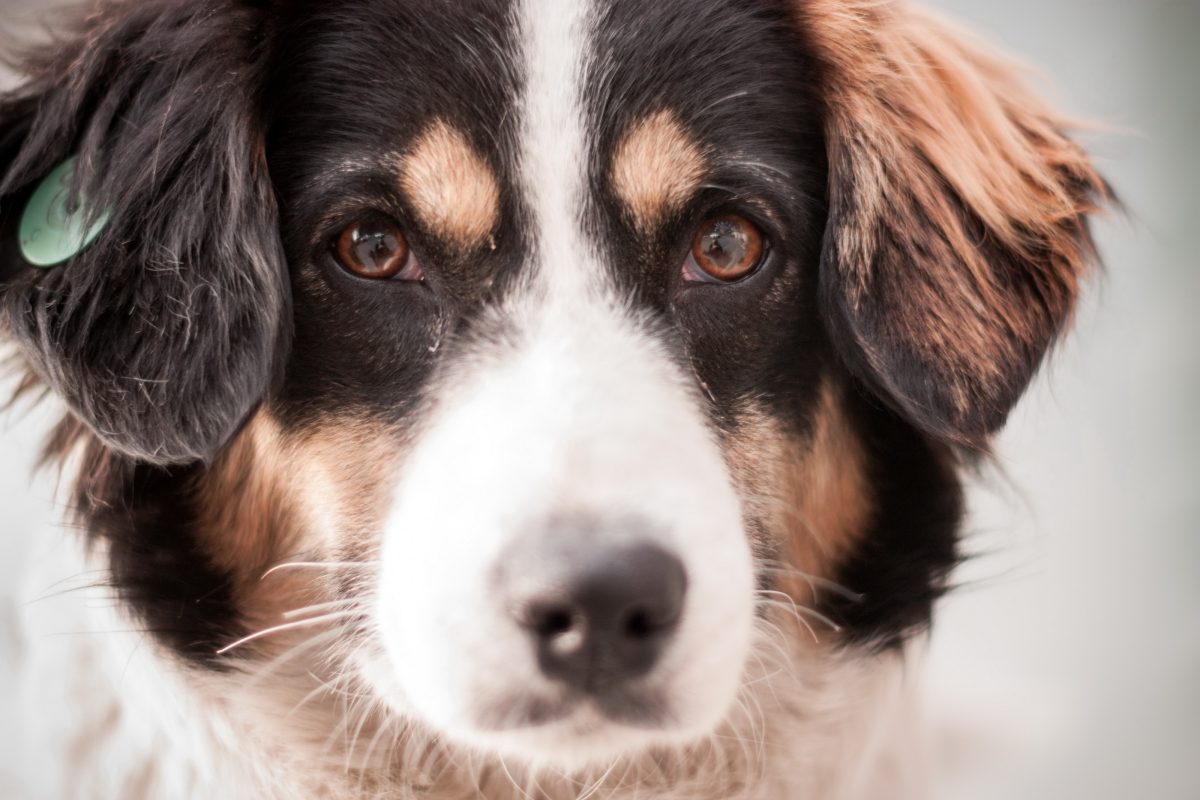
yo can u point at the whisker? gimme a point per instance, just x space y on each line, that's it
813 614
513 781
297 612
764 678
327 687
598 782
814 581
753 744
331 565
801 614
332 686
363 717
771 635
346 718
321 688
286 626
316 640
383 728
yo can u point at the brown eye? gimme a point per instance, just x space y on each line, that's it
726 249
376 248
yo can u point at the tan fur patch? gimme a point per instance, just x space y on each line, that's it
827 483
451 187
811 494
272 497
244 502
657 167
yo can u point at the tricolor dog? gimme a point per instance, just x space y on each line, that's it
516 398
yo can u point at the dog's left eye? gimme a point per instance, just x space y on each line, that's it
375 248
725 249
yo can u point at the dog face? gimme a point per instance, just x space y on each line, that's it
557 359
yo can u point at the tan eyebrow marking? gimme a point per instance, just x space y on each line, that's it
657 167
452 189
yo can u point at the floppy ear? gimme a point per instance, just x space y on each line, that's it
957 233
164 333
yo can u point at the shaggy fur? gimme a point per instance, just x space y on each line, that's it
958 208
165 334
295 482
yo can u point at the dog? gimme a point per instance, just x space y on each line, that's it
517 398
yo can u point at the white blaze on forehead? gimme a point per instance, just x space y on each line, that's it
584 413
554 140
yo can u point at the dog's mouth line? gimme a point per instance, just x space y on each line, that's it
580 712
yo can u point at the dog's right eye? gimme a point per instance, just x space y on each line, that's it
375 248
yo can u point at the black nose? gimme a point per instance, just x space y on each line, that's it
598 614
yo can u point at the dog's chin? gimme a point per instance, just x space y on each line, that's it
570 734
580 734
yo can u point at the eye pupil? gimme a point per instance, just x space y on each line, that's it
724 246
727 248
374 245
376 248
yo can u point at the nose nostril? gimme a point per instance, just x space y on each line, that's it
647 622
551 622
639 625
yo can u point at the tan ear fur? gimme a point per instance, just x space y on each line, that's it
957 235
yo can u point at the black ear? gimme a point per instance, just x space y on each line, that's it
958 234
164 334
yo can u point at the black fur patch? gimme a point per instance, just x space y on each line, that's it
902 562
145 517
164 334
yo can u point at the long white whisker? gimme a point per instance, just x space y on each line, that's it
297 612
796 613
789 603
316 640
289 565
380 731
363 718
771 636
805 611
513 781
814 581
598 782
326 687
287 626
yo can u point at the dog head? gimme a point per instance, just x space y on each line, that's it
560 359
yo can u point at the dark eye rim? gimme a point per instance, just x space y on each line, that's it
338 227
699 277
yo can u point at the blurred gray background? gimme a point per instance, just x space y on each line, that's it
1067 664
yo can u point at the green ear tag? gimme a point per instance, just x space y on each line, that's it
51 231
